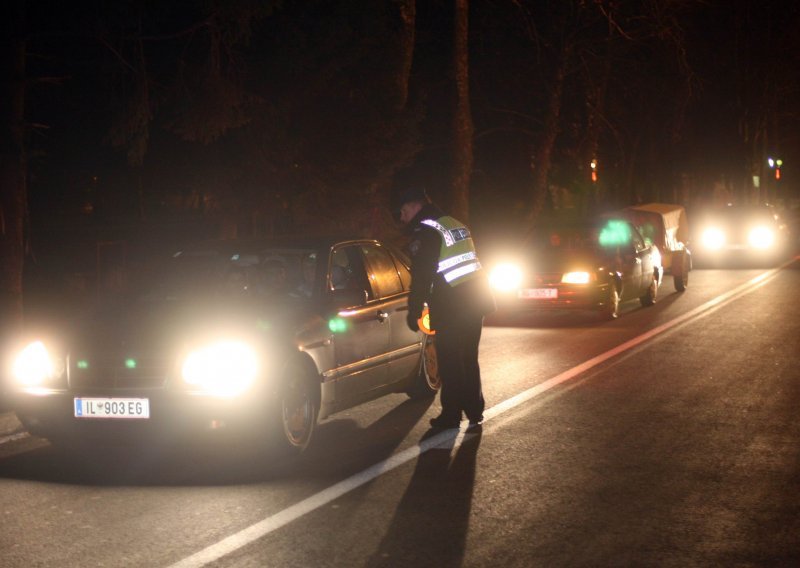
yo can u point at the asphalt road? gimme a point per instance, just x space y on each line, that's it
666 438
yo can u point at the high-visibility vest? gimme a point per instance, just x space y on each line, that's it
458 261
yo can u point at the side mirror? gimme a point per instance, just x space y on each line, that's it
347 298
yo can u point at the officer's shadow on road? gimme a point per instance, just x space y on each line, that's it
341 447
431 523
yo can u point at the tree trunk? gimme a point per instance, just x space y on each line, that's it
397 97
13 188
462 120
543 154
407 18
593 128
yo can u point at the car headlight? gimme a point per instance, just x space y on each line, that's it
505 277
761 237
34 365
713 238
576 277
225 368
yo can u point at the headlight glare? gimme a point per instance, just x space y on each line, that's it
576 278
225 368
761 237
505 277
713 238
34 365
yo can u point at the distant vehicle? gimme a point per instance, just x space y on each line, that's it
259 340
595 265
666 226
734 234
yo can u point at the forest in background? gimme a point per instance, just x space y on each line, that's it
129 125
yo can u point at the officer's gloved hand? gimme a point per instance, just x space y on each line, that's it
411 320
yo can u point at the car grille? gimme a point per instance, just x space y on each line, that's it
123 371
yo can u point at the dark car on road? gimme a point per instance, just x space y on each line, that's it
740 234
593 265
256 339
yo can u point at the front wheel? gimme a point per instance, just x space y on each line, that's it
296 408
610 309
427 382
649 297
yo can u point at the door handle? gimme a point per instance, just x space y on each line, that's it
382 316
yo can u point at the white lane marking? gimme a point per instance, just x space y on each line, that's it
447 438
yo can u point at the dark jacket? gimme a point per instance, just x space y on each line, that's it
472 298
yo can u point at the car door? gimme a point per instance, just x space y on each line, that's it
644 253
390 280
361 339
630 258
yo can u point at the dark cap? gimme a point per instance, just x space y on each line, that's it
412 194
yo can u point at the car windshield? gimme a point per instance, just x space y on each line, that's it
593 237
738 215
270 274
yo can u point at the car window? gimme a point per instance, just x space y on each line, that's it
266 275
638 241
563 238
346 270
341 274
285 272
404 272
382 272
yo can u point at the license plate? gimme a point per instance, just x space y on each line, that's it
539 293
124 408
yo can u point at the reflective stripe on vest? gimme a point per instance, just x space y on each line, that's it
457 257
448 238
456 260
461 271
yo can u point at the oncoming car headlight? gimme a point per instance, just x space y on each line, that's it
34 365
225 368
713 238
505 277
761 237
576 277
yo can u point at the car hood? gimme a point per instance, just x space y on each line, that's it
567 260
174 325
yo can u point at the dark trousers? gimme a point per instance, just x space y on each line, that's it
457 342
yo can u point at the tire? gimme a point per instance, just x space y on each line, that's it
649 298
296 406
680 271
610 309
427 382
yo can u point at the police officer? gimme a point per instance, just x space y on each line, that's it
446 273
